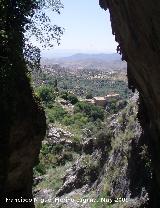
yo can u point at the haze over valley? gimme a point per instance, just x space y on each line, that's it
103 61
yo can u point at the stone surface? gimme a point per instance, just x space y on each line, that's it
110 171
136 26
23 126
59 136
86 168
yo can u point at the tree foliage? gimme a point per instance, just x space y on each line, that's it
41 29
21 20
92 111
46 94
70 97
73 99
17 18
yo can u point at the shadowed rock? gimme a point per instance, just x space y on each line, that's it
136 26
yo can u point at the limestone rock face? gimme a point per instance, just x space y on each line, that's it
22 120
23 127
136 26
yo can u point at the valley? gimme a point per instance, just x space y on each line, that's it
85 156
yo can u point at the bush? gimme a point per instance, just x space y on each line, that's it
56 113
70 97
66 156
40 169
68 120
47 159
116 106
93 112
73 99
103 139
77 119
89 96
64 95
46 94
57 149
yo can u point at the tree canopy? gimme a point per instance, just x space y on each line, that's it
22 19
19 20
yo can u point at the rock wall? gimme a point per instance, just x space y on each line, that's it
22 129
136 26
22 121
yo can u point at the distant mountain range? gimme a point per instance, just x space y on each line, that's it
83 56
90 61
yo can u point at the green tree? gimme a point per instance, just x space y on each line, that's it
46 94
19 18
38 25
89 95
64 95
73 99
70 97
56 113
92 111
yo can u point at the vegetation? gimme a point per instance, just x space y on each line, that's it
81 118
70 97
85 83
92 111
85 120
83 115
20 56
52 156
55 113
18 20
89 95
46 94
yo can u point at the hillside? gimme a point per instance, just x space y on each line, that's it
81 82
89 149
92 169
106 62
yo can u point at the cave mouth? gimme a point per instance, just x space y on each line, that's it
63 145
135 43
136 28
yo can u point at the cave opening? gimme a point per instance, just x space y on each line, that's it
90 83
91 152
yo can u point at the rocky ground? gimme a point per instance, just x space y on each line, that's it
97 173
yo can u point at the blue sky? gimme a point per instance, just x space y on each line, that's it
87 28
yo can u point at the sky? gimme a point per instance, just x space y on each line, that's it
87 28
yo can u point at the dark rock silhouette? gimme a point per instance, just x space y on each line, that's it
136 26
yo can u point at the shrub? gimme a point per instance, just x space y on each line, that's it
80 118
77 119
66 156
89 96
70 97
103 139
68 120
41 205
57 148
93 112
56 113
64 95
73 99
115 106
46 94
40 169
